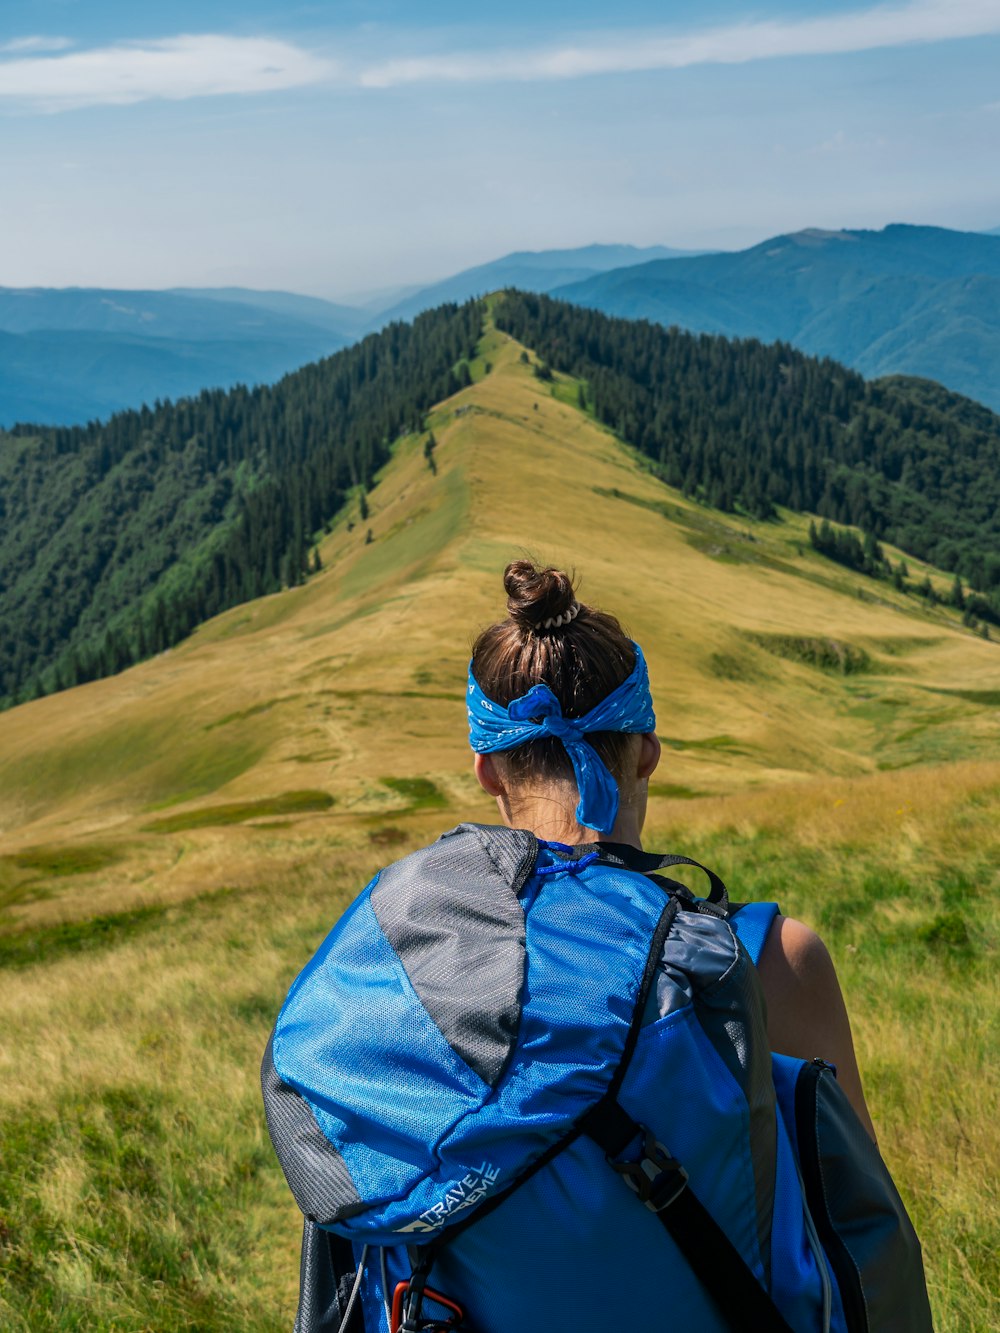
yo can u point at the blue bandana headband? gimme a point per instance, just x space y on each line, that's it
627 708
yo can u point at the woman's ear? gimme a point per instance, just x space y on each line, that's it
649 754
487 776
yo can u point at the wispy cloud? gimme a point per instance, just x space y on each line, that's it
173 68
920 21
25 45
41 73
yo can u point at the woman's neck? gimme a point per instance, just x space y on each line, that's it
552 819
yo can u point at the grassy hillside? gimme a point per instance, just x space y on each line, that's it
746 427
175 841
116 540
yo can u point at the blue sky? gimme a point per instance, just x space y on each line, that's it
357 144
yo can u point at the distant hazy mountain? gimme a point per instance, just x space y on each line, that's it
231 314
70 355
904 300
71 377
344 320
531 270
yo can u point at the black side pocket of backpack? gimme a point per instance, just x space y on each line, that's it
326 1275
862 1223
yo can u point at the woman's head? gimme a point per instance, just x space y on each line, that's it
582 655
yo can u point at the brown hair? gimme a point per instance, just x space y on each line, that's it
581 661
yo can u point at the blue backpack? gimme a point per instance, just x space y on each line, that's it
523 1087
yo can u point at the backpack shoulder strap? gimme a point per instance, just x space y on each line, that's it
661 1183
752 922
648 863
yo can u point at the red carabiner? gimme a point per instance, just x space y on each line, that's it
399 1296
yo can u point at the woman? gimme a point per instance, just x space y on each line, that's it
583 654
510 1027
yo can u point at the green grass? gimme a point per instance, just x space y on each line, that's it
254 711
988 698
674 791
899 646
60 861
566 389
23 948
408 550
33 874
42 945
728 744
165 1222
139 1190
160 762
238 812
419 793
736 665
836 655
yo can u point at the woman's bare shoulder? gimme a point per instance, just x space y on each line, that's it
806 1013
794 953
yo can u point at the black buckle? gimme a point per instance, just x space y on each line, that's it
657 1178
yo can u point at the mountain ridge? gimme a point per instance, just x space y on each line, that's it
175 342
535 270
929 306
279 693
119 539
910 300
72 355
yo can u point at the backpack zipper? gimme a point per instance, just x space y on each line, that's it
822 1263
845 1270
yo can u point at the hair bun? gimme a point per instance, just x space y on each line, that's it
536 596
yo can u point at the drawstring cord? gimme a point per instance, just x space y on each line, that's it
354 1291
385 1287
572 865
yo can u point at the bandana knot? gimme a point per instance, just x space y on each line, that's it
541 704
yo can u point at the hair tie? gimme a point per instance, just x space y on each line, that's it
556 622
